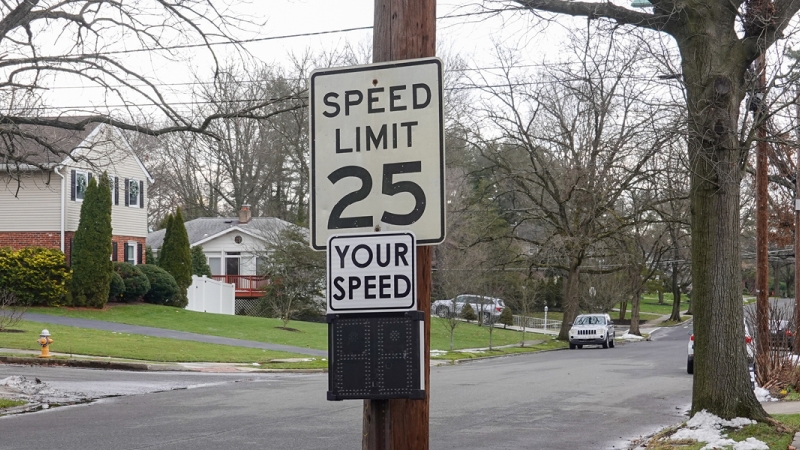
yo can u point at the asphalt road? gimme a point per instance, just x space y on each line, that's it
572 399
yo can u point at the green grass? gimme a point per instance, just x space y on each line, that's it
308 335
766 433
82 341
6 403
547 344
649 304
558 315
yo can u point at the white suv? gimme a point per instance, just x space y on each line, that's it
489 308
592 329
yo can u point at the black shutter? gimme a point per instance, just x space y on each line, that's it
127 183
116 190
114 256
72 184
88 178
141 194
139 250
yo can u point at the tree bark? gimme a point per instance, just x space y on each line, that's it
715 88
637 296
571 287
676 294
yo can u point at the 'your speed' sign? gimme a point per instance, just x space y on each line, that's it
377 150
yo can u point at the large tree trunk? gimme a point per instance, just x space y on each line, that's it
571 287
635 314
715 88
676 295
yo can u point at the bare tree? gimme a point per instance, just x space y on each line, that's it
11 312
718 41
573 147
94 42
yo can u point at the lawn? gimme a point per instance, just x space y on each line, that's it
557 315
649 304
308 335
775 439
6 403
81 341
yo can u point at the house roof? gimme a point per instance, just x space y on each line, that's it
27 140
204 229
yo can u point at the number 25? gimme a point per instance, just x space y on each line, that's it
336 221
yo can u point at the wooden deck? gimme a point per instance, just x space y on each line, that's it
247 286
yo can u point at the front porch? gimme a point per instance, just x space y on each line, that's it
247 286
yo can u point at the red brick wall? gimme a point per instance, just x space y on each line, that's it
21 239
52 239
122 240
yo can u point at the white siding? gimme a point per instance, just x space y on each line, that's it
226 243
111 154
36 205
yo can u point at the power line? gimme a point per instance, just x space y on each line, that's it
286 36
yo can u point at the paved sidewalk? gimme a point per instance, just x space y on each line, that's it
160 332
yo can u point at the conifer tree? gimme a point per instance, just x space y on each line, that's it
199 262
467 313
91 249
506 317
175 256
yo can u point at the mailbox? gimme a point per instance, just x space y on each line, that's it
376 355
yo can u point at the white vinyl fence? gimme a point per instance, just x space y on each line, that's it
535 322
207 295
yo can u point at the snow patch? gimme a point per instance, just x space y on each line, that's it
438 352
763 395
631 336
708 428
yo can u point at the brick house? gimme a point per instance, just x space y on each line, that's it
40 202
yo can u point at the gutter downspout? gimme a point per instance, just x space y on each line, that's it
63 201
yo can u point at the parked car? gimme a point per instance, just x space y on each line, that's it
592 329
748 340
781 334
489 308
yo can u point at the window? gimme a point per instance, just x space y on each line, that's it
130 252
114 182
261 265
133 192
215 263
81 182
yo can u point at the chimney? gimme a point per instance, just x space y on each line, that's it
244 214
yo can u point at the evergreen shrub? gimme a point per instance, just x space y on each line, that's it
506 317
35 275
162 285
136 282
467 313
116 287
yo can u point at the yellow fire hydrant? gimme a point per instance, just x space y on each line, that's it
45 341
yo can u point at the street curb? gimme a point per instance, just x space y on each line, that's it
480 358
132 366
88 364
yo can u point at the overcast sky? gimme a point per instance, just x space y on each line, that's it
473 37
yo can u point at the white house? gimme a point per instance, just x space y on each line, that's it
45 210
231 246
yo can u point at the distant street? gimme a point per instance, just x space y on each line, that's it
576 399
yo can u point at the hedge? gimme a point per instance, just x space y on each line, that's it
36 275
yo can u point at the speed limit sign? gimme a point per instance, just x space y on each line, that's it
377 150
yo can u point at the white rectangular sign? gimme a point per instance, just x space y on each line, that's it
374 272
377 150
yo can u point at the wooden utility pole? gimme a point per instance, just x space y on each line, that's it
404 29
797 228
762 265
